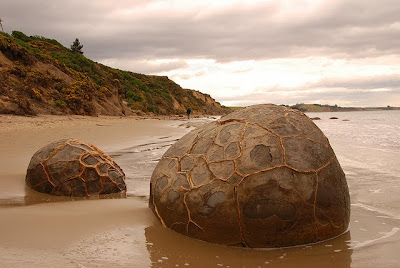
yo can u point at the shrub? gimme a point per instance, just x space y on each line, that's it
21 36
166 96
143 86
131 95
35 94
104 91
48 40
16 52
149 98
18 71
61 85
153 109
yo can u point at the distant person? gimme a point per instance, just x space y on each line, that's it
188 111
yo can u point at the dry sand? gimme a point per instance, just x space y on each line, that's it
36 231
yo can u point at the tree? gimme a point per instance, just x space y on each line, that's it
76 47
1 25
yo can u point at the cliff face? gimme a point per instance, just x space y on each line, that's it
40 76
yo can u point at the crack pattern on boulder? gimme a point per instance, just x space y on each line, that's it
264 176
72 168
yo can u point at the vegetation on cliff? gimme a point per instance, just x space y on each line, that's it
40 75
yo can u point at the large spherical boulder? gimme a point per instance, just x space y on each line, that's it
73 168
264 176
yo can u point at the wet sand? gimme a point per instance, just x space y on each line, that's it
37 230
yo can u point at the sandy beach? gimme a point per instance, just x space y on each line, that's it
38 230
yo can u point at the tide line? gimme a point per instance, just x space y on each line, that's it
369 242
373 209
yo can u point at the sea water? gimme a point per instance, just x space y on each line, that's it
367 145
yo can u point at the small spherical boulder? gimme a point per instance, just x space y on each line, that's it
264 176
73 168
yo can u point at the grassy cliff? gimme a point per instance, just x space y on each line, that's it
40 76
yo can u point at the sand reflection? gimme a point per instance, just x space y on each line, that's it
32 197
169 249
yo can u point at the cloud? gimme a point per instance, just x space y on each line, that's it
147 67
243 70
153 29
186 76
369 82
379 90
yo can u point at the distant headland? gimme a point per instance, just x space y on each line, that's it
335 108
329 108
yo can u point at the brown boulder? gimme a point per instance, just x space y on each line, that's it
73 168
264 176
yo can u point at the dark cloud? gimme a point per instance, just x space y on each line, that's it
341 28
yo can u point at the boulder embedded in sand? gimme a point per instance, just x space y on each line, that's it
264 176
73 168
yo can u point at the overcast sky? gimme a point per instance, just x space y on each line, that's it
344 52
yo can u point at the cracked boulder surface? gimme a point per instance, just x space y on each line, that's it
261 177
73 168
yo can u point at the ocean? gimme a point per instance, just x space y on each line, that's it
368 148
367 145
